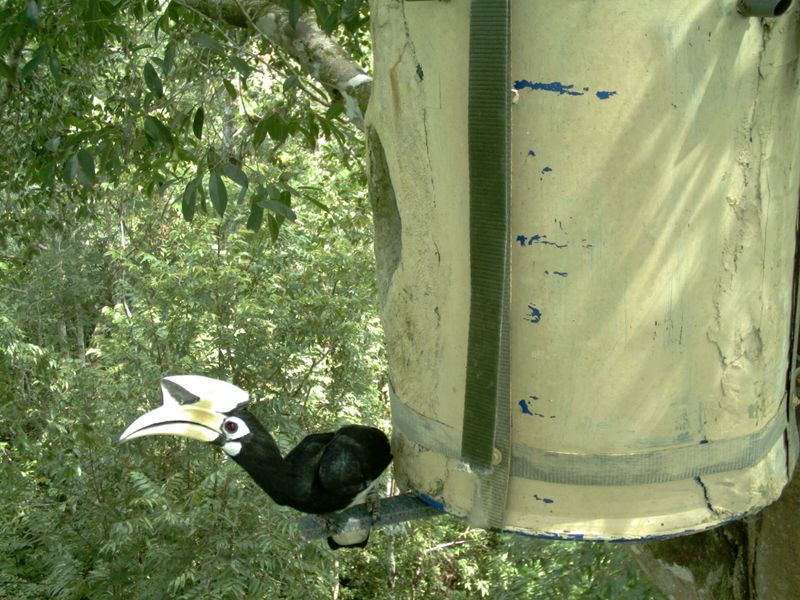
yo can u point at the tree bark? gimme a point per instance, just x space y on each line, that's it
316 52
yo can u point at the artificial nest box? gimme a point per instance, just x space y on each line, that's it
644 274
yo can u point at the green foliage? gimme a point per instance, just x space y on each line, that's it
294 325
445 559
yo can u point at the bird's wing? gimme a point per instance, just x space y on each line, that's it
354 457
309 448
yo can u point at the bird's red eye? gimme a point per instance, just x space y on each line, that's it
231 426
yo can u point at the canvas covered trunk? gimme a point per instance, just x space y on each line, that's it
654 192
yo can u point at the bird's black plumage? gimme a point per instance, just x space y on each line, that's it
324 473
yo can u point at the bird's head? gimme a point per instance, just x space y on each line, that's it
199 408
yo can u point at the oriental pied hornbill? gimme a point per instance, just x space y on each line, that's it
324 473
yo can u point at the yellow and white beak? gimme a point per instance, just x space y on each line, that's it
194 407
188 421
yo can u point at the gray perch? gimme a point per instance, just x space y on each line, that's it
391 511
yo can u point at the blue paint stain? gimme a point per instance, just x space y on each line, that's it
547 170
561 88
434 503
531 153
560 273
537 239
545 500
553 86
535 316
526 409
542 239
703 441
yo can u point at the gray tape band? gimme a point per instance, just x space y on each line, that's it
634 468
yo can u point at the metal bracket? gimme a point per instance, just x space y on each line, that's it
392 510
763 8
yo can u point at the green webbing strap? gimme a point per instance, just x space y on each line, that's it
486 432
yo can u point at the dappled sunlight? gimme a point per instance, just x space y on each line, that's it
640 239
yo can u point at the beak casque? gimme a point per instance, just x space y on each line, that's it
194 407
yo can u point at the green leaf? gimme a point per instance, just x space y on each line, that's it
207 42
55 67
218 193
189 198
350 8
235 173
276 201
6 71
279 208
34 62
277 128
45 174
173 10
86 172
260 133
316 202
230 89
335 109
329 24
197 123
152 80
290 83
156 131
274 228
133 103
212 159
241 66
256 217
294 12
71 169
323 13
169 58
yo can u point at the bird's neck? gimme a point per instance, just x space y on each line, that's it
264 463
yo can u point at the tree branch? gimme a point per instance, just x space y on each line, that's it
317 53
